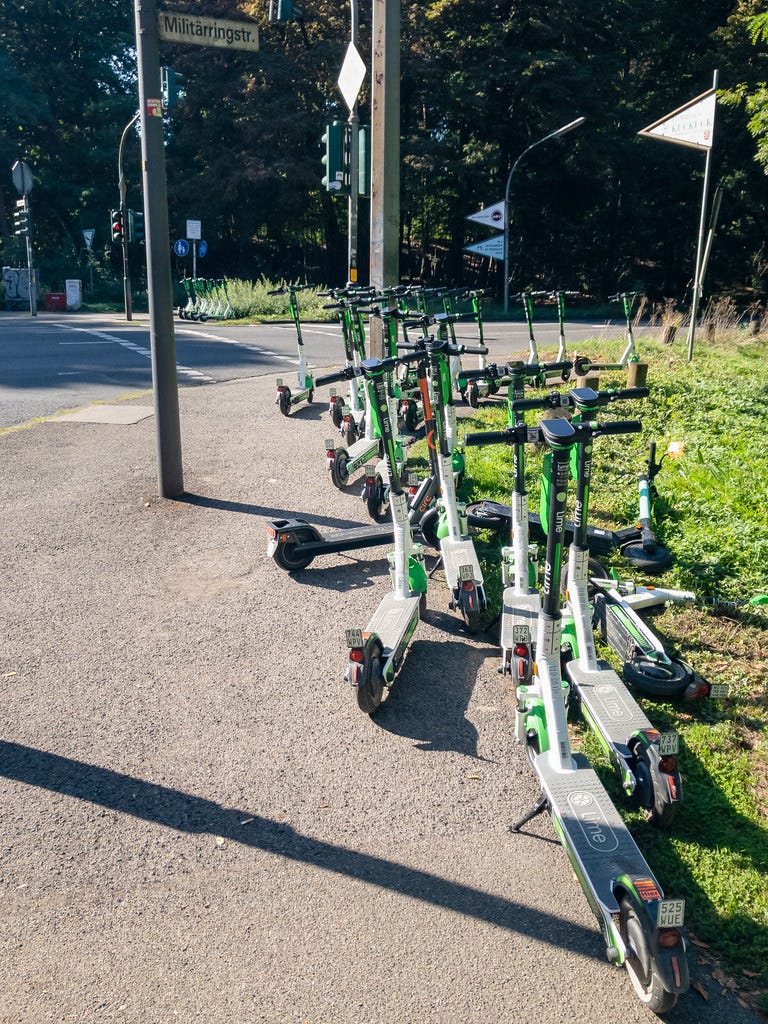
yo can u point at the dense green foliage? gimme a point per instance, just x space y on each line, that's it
598 210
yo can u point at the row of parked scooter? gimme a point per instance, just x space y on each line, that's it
548 615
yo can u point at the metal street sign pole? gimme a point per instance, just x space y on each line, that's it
159 285
385 155
698 273
23 180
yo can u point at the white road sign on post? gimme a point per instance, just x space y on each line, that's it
194 230
692 125
493 216
493 247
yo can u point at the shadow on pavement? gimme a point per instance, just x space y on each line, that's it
195 815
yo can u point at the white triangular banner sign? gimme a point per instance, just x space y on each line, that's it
690 125
493 247
493 216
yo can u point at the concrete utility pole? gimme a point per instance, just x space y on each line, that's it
385 156
159 286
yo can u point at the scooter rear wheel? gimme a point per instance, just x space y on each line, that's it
640 963
284 401
472 395
489 515
289 558
376 502
336 414
370 689
339 471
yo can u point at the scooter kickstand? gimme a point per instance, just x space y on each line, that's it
538 808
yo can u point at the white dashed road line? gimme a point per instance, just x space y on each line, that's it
185 371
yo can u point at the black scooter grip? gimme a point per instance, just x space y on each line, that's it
276 291
489 437
554 400
612 427
624 394
331 378
473 350
490 372
329 305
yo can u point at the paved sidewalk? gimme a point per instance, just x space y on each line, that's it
198 824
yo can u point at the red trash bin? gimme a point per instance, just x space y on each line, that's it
55 300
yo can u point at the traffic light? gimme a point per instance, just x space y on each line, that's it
22 224
336 177
364 160
172 88
116 225
284 10
135 226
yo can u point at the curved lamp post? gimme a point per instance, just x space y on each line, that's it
552 135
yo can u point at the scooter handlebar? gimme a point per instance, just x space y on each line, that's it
554 400
490 437
522 369
491 372
347 373
610 428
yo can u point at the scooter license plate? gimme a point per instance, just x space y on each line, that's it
719 691
354 637
669 743
670 914
521 635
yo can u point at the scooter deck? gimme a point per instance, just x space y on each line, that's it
519 613
595 834
391 620
457 553
608 703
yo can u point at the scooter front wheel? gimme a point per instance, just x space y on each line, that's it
665 679
428 526
640 962
337 416
472 395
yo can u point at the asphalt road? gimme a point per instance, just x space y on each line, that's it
56 361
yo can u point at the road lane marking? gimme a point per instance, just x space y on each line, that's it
185 371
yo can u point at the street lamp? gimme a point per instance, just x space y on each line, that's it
124 219
552 135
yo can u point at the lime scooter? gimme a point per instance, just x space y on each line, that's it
521 601
642 930
646 758
376 652
560 296
630 353
463 574
286 400
294 543
344 304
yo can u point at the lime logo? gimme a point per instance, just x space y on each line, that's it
560 496
594 825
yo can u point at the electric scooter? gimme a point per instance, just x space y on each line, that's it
344 305
376 652
306 385
463 574
646 758
294 543
630 354
646 666
560 296
642 930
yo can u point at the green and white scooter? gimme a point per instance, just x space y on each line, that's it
376 652
305 384
641 928
646 758
463 574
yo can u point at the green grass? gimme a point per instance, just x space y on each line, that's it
711 509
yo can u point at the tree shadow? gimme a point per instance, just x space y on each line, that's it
195 815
